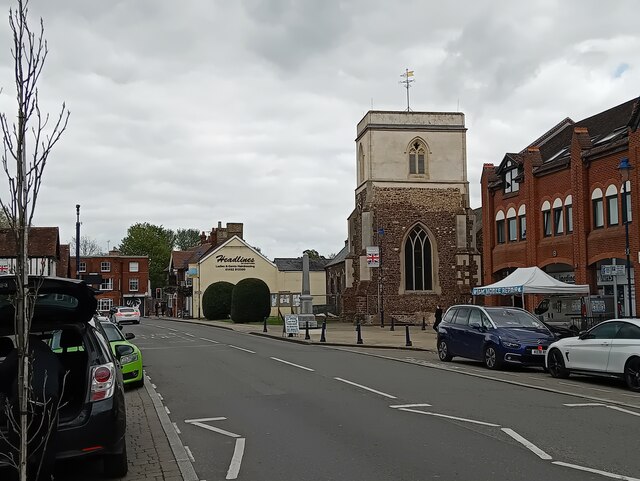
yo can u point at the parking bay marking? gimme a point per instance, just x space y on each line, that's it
455 418
615 408
596 471
365 388
238 451
528 444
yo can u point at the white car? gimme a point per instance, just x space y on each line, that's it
612 349
123 314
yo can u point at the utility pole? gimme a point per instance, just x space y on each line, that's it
407 83
77 241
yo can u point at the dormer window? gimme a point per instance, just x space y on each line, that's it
417 154
510 175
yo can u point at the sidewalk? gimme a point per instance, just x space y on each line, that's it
337 334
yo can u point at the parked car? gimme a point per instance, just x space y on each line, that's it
123 314
493 335
92 417
560 332
612 349
102 315
127 353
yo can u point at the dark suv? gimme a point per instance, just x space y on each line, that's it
92 417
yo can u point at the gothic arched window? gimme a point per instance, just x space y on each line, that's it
417 261
360 164
417 153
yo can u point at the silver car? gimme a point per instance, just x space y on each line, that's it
123 315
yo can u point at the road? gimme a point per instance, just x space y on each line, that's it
253 408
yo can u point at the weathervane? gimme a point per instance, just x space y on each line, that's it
407 83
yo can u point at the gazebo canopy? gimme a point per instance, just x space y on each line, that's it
529 280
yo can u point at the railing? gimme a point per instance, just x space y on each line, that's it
583 323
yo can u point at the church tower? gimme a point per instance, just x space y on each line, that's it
412 201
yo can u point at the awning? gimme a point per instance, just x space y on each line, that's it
529 280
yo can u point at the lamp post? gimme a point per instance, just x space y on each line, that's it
624 168
77 241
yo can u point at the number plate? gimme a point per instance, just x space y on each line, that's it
537 352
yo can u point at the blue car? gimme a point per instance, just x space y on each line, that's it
496 336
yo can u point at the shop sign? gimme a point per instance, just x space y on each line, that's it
612 270
235 263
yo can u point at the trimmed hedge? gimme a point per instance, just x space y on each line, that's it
216 300
250 301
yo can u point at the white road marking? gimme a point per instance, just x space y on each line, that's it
154 386
236 461
623 410
204 420
160 396
216 430
528 444
241 349
584 387
365 387
208 340
171 329
596 471
190 454
580 405
167 409
398 406
292 364
187 334
473 421
175 426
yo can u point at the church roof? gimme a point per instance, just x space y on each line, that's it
285 264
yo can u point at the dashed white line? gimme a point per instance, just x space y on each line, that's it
215 430
596 471
208 340
204 420
422 405
241 349
365 387
292 364
187 334
236 461
580 405
190 454
616 408
455 418
528 444
171 329
175 426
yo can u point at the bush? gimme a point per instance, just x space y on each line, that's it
250 301
216 301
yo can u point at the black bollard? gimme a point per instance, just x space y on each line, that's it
424 325
393 324
409 343
307 337
322 336
264 325
359 331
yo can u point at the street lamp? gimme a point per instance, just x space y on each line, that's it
625 169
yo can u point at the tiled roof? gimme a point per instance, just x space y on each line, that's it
340 256
182 259
43 242
295 264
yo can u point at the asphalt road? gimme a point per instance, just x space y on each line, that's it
252 408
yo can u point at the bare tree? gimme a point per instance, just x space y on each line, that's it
24 171
88 246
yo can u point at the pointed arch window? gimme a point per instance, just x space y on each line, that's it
417 261
417 154
360 164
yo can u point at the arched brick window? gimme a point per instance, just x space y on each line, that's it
418 261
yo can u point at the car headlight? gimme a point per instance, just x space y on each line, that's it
511 345
126 359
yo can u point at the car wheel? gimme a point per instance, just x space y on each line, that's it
491 359
632 374
443 351
116 465
556 365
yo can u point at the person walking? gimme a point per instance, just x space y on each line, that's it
438 315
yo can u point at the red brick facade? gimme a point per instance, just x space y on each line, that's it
566 167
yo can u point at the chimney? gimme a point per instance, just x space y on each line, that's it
203 238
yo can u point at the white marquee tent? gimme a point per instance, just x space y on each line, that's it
529 280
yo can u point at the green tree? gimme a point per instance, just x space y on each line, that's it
186 238
312 253
216 300
250 301
144 239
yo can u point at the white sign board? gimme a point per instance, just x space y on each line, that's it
373 256
291 324
612 270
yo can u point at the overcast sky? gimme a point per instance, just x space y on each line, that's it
192 112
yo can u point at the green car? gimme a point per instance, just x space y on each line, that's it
128 354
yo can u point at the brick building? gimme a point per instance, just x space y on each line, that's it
46 256
122 280
411 200
559 204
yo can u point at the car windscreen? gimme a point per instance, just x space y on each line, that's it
112 332
513 318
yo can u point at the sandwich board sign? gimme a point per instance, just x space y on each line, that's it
291 324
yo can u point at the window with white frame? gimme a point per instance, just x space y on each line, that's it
82 267
546 219
626 202
558 217
568 213
522 217
105 266
500 238
133 266
107 284
512 225
417 153
105 304
511 173
133 284
613 217
598 208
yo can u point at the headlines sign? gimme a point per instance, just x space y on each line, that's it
291 324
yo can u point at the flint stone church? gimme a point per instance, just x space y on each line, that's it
411 200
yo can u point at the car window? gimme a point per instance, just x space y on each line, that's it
606 330
485 321
448 317
112 332
463 316
475 318
102 342
506 317
628 331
